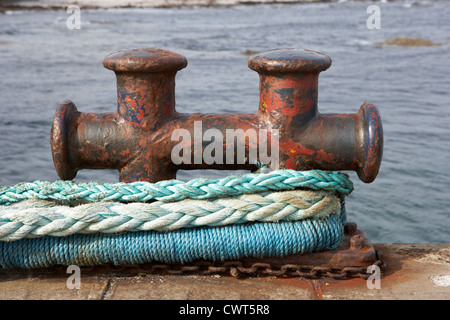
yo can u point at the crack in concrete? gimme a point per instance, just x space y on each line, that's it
107 290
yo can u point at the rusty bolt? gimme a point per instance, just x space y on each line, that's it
350 228
356 242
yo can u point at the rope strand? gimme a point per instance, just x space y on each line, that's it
37 218
175 190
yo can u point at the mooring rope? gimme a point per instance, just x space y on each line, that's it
257 240
175 190
272 214
36 218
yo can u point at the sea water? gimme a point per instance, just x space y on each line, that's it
44 62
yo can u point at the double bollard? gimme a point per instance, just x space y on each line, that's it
147 139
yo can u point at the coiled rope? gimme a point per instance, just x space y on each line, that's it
180 246
272 214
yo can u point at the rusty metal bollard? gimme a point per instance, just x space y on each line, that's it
138 139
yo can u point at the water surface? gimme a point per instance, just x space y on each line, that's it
43 63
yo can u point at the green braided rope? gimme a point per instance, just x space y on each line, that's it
175 190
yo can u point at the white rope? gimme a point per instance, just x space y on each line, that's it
36 218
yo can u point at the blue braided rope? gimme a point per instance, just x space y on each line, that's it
257 240
175 190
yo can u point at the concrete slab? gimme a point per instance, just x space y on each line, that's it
414 271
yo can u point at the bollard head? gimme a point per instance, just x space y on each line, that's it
144 60
145 84
289 84
289 61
